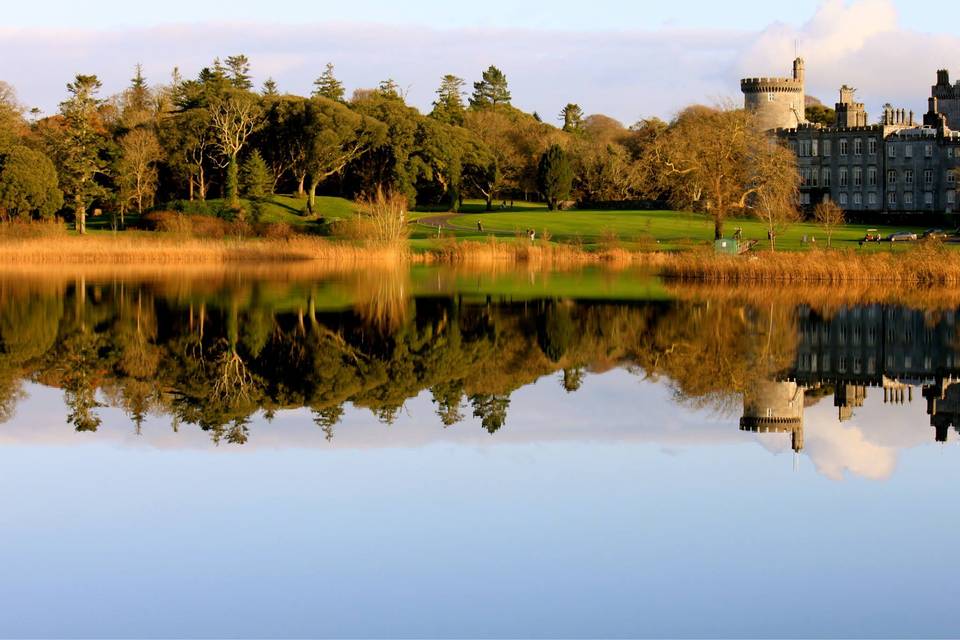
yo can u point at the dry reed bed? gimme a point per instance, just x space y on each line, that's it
927 265
533 254
165 250
825 299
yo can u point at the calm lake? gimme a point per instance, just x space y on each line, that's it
442 453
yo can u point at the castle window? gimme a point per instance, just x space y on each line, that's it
826 148
949 152
951 177
872 146
843 147
951 197
813 148
857 177
843 176
928 151
872 199
908 199
770 97
814 177
826 177
908 151
928 198
928 177
858 147
891 151
908 177
892 199
858 199
892 177
843 199
872 176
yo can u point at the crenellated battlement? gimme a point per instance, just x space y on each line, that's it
770 85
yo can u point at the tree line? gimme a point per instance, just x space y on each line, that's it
217 136
226 352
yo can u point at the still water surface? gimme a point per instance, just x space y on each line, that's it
446 454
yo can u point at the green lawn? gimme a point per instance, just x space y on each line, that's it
645 230
277 208
662 230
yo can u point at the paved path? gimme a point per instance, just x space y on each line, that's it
441 220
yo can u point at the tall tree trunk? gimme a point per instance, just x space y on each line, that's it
81 222
191 188
202 185
233 187
490 201
311 196
717 228
300 180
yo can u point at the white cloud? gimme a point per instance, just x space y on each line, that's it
627 74
861 44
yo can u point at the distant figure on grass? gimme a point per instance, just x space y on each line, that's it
532 234
479 226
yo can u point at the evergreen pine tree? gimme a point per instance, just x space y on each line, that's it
572 116
555 176
492 90
328 86
448 107
239 72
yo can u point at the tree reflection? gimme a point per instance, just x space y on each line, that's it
215 358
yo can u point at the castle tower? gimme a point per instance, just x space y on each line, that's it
778 103
943 407
945 100
775 407
849 112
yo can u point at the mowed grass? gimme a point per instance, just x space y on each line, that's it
289 209
651 230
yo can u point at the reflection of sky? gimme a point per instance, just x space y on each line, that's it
609 512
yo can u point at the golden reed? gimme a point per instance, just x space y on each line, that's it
924 264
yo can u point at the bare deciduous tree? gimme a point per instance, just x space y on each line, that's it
234 116
706 160
830 216
137 170
775 182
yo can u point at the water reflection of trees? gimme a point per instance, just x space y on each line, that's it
216 359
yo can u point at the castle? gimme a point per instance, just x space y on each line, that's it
855 349
898 166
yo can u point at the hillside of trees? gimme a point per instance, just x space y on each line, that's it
216 136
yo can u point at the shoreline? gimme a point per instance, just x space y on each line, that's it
920 265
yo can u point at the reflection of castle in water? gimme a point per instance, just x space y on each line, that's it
857 348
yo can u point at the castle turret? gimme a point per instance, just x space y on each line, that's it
850 113
945 101
775 407
777 103
798 70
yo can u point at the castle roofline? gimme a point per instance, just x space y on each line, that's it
758 424
770 84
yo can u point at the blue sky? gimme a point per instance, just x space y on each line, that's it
582 517
553 14
626 60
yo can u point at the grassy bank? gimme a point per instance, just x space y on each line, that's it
155 248
924 264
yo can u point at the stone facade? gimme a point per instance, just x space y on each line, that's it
779 103
898 165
